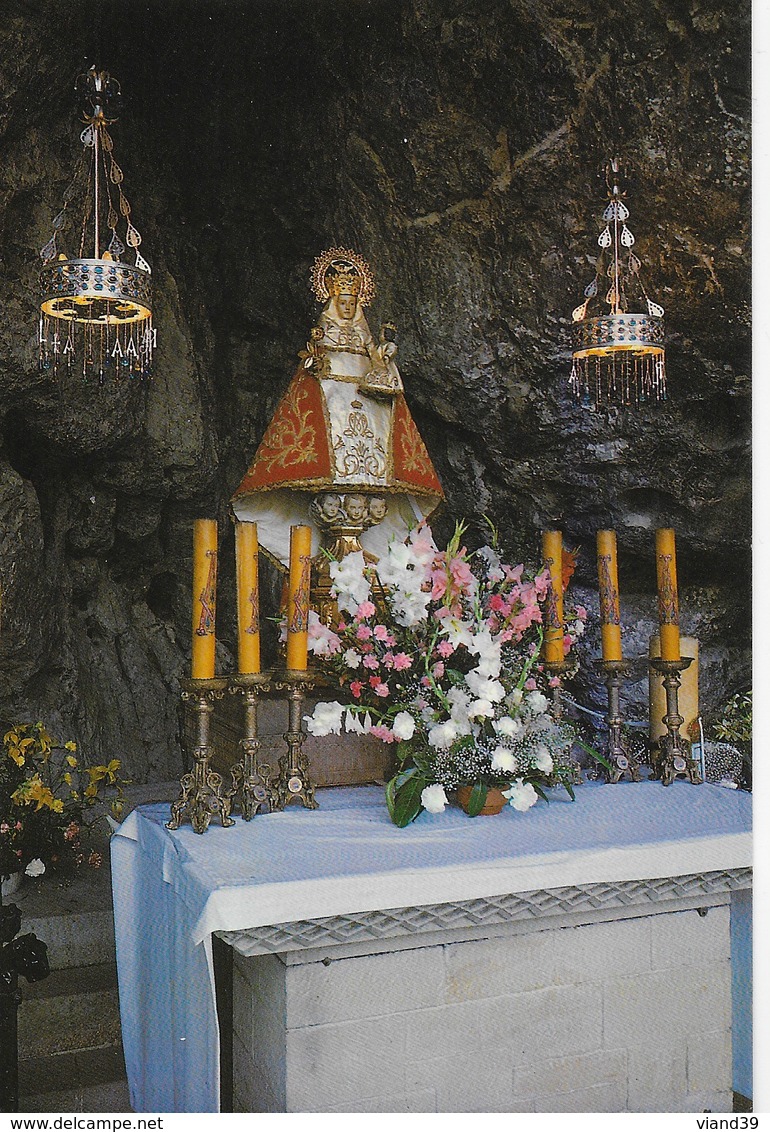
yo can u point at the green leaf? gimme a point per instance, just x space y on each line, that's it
594 753
477 799
541 793
407 803
570 791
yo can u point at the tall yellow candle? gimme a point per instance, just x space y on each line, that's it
247 585
204 592
299 599
609 595
668 598
553 635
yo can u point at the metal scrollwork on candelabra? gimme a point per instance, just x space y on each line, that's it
293 783
624 765
203 795
252 788
674 756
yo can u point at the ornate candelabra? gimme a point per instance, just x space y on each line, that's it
251 779
203 796
293 783
674 758
624 765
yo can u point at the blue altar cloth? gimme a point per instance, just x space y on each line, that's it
172 890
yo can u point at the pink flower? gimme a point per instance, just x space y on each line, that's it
381 690
581 612
401 662
496 603
371 662
390 641
425 681
462 575
387 659
445 649
438 669
438 589
554 682
380 633
365 609
531 684
541 583
356 688
513 573
363 632
380 731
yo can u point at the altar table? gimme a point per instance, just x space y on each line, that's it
285 880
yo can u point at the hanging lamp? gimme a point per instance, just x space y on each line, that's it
95 307
618 357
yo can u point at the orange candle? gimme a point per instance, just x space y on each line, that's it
553 636
609 596
204 598
299 599
247 585
668 598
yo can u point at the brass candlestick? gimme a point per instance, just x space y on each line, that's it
251 779
624 765
202 795
293 783
674 758
563 669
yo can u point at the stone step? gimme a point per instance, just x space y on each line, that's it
74 1008
91 1080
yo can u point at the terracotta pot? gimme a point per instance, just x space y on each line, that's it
493 804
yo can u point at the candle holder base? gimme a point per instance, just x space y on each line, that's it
203 795
673 758
251 779
563 669
624 765
293 782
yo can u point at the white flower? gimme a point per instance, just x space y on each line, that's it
457 632
322 641
326 719
515 697
35 868
483 688
504 760
403 725
543 759
488 651
350 584
577 628
443 734
537 702
481 709
508 727
353 723
352 658
493 561
522 795
434 798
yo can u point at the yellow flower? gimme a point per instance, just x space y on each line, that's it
16 755
35 790
67 777
70 746
70 760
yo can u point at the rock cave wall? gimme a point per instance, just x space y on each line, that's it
458 145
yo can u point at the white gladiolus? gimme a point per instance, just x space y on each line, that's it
352 658
434 798
515 698
326 719
403 725
504 760
483 688
350 584
577 628
353 723
521 795
35 868
537 703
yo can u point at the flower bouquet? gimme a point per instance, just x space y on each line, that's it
50 802
439 653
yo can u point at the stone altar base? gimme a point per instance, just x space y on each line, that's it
577 1001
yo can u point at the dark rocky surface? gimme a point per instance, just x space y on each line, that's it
457 145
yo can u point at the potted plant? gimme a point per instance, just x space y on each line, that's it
50 802
439 652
